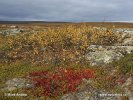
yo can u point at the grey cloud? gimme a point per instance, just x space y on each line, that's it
67 10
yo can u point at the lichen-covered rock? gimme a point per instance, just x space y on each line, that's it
17 83
103 57
91 95
13 31
99 55
128 41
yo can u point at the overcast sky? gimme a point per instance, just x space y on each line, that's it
66 10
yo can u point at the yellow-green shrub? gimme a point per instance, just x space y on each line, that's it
51 45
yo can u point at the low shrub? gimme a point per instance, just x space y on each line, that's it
57 45
125 64
61 81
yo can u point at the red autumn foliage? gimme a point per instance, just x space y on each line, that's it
61 81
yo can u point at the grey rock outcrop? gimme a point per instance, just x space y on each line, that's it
98 55
91 95
101 54
103 57
17 83
13 31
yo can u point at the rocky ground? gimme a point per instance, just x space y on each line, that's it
101 55
97 55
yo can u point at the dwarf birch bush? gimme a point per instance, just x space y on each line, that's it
57 44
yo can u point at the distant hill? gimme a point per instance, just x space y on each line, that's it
28 22
97 24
